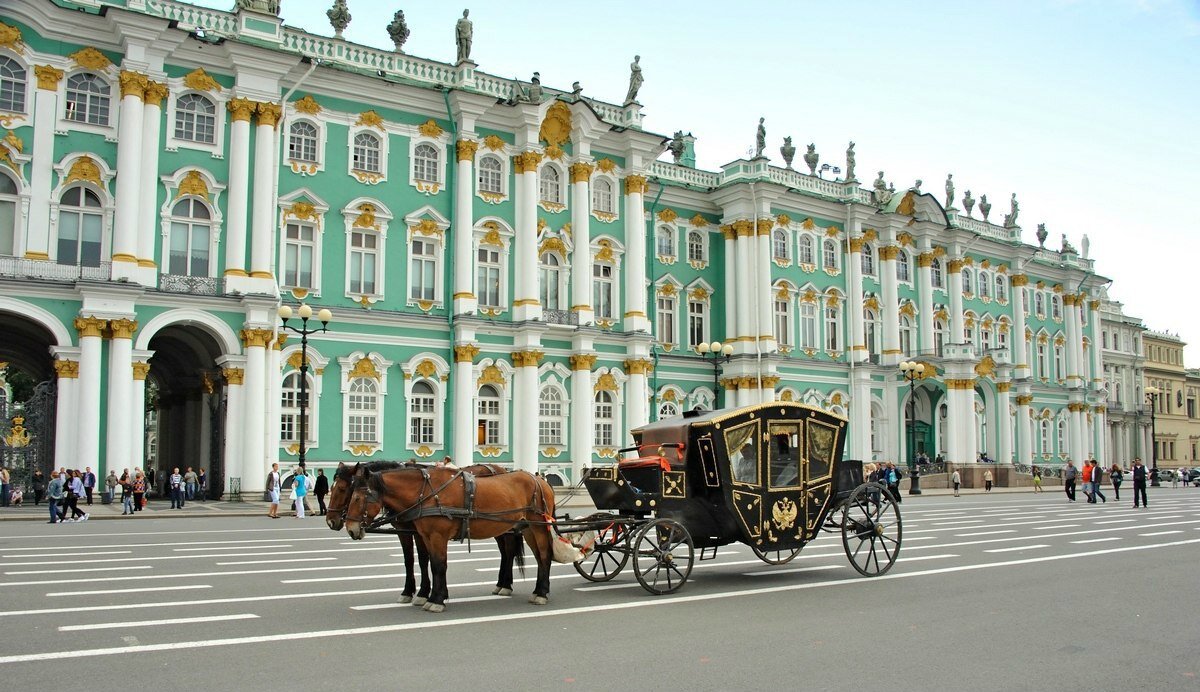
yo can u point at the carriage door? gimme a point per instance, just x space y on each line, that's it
783 501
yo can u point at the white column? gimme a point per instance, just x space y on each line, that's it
890 308
253 454
464 223
240 111
66 410
730 271
925 340
148 196
637 411
274 403
582 431
1072 378
761 287
581 256
137 422
87 418
1004 419
120 395
264 181
742 249
45 110
1024 428
463 445
1082 364
955 287
860 415
858 339
235 466
526 300
635 254
1020 349
1075 447
525 413
129 178
1096 350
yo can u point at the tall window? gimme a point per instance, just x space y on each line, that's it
872 328
779 245
550 185
697 323
808 325
13 82
602 196
488 421
903 267
551 275
1002 334
1043 364
936 276
1059 370
985 285
1044 436
829 254
1001 288
985 339
8 214
666 319
1061 434
423 274
290 408
80 227
939 337
695 246
806 249
88 99
487 277
833 340
602 290
426 163
362 404
302 141
1056 307
364 262
868 260
298 249
195 119
966 281
420 414
191 235
666 241
550 416
366 153
1024 299
906 334
783 322
1039 303
605 421
491 175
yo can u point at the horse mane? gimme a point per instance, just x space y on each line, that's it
348 470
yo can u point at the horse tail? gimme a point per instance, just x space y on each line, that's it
518 550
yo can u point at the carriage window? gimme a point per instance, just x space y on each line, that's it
742 445
821 443
784 454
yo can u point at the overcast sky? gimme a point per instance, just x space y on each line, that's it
1087 109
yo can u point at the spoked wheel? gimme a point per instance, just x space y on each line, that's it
608 554
871 529
775 557
663 555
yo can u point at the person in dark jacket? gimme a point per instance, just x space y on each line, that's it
39 487
322 489
1116 476
1139 483
1069 475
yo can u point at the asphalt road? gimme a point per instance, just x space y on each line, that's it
999 592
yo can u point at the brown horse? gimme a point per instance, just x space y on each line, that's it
434 500
511 548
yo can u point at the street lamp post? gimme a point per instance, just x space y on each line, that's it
912 372
1151 397
304 312
716 353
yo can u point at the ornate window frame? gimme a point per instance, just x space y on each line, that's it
439 141
499 374
433 370
610 380
19 118
499 155
290 359
809 240
607 251
783 296
302 207
367 215
428 225
701 262
360 364
781 242
300 166
109 131
564 184
661 230
177 90
191 182
667 290
493 233
361 175
555 376
95 175
603 215
699 292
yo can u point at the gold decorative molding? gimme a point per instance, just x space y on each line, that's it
667 215
527 359
606 383
581 172
635 184
889 252
365 367
856 245
426 368
493 143
90 326
369 118
193 184
639 366
155 93
555 152
908 204
583 361
743 228
122 328
968 383
765 226
727 231
556 126
200 80
491 375
256 338
301 210
69 369
465 149
268 113
925 259
552 245
605 253
667 289
1077 407
986 367
10 38
699 221
133 84
90 59
1003 387
1023 399
427 227
48 77
700 293
832 231
526 162
366 217
295 360
240 109
606 165
954 266
363 450
430 128
1094 304
905 239
465 353
307 105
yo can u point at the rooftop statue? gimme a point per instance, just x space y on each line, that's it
676 147
968 202
462 36
916 187
576 90
1086 245
1042 234
788 152
1010 219
882 193
535 87
1067 246
760 139
398 31
265 6
950 191
339 17
811 157
635 80
985 207
850 163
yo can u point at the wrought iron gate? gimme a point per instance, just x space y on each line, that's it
27 435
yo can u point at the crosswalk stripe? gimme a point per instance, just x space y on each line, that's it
58 554
152 623
75 570
1159 533
1017 547
187 587
1096 540
276 562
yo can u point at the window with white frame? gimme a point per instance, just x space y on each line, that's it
1060 370
8 214
833 327
939 337
603 290
550 416
985 285
550 185
366 156
602 196
302 141
665 319
783 322
903 267
1039 303
196 119
872 329
427 162
487 420
13 83
779 245
829 254
808 325
1043 359
80 227
697 322
806 249
487 277
906 334
89 99
299 248
1044 436
935 274
290 408
966 281
551 283
604 418
1001 288
868 260
423 269
985 339
666 241
1061 434
491 175
1055 307
667 409
191 239
1024 299
362 412
695 243
1002 335
364 262
421 404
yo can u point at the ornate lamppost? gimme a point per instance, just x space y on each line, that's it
716 353
912 371
1151 399
305 313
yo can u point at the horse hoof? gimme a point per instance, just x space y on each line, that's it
537 600
419 601
435 607
498 591
404 598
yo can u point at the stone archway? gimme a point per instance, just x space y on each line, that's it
28 393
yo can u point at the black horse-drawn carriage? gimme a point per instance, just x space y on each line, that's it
770 476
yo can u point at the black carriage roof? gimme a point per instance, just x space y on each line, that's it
706 418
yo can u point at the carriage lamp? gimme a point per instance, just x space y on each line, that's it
912 371
1152 393
305 313
716 353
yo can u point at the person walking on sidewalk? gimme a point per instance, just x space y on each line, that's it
1087 483
1116 476
126 494
1139 483
202 482
321 489
110 486
74 492
1097 478
89 483
39 487
956 479
189 483
54 494
1037 480
299 490
273 491
139 491
1070 473
987 481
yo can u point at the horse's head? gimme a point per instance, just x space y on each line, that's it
364 503
339 495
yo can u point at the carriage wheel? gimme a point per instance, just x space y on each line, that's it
663 555
775 557
871 529
609 553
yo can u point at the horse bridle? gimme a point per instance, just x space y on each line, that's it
372 496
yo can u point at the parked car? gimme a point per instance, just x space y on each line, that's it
1194 477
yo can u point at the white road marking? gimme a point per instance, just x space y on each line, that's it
983 533
152 623
1055 528
790 570
232 547
925 557
623 585
260 530
86 569
58 554
205 557
1017 547
959 521
192 575
1097 540
449 601
276 562
142 590
176 543
1112 521
559 612
197 602
1159 533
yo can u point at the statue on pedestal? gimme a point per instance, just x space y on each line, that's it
635 80
985 207
462 37
882 194
950 191
535 88
677 147
811 158
1086 245
850 163
398 31
1067 247
1010 219
968 202
339 17
788 152
1042 235
264 6
760 139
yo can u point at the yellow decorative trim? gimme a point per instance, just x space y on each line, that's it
10 38
268 113
256 338
122 328
69 369
526 162
526 302
490 451
667 215
1023 399
986 367
192 184
554 152
582 361
889 252
551 245
606 251
493 143
91 59
606 165
699 221
365 367
925 259
90 326
581 172
34 255
606 383
556 126
639 366
832 231
155 93
667 289
527 359
133 84
200 80
85 168
369 118
954 266
262 274
856 245
765 226
140 371
551 452
1003 387
48 77
302 210
363 450
430 128
960 384
426 368
307 105
465 353
465 149
905 239
743 228
635 184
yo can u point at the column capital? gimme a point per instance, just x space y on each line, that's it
1023 399
925 259
465 149
67 369
635 184
583 361
765 226
465 353
889 252
638 366
133 84
155 93
122 328
1003 387
256 338
90 326
856 244
527 359
234 376
280 340
769 381
1094 304
581 172
967 383
526 162
241 109
48 77
268 113
140 370
743 228
955 266
727 231
1019 280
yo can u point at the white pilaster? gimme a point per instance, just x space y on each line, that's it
526 301
925 341
66 366
581 257
240 111
744 255
761 288
1024 427
1019 347
87 417
148 196
860 414
137 424
1075 424
858 339
253 453
274 403
263 231
637 411
463 445
955 287
525 410
1005 424
129 178
1070 315
464 223
582 396
730 271
890 309
233 370
120 396
635 255
45 105
1096 350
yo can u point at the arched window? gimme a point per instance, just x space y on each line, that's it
695 246
966 281
1043 364
1056 307
550 185
985 285
833 328
605 421
191 239
8 214
806 249
491 175
1060 370
829 254
667 409
488 416
426 164
985 339
1060 432
195 119
666 241
302 141
872 328
366 153
1039 304
362 404
935 271
551 277
1001 288
80 227
868 260
602 196
1044 436
13 82
550 416
808 325
943 418
903 267
906 334
779 245
939 337
1002 334
88 99
421 404
290 409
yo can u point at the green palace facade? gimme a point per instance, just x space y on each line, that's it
515 275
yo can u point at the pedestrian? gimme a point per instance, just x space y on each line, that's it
110 486
18 498
956 479
1069 475
5 479
1139 483
126 494
299 490
39 487
322 489
75 490
89 483
273 491
202 482
1086 472
892 478
190 481
175 487
1116 475
138 488
1037 480
1097 478
987 481
1174 478
873 476
54 494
